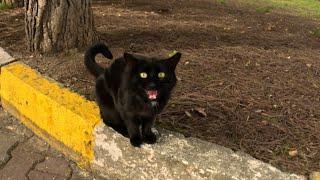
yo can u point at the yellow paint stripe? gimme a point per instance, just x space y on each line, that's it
62 114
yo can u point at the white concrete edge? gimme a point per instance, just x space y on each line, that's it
175 157
5 58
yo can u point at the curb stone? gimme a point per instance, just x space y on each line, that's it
72 124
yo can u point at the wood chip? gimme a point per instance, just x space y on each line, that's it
188 113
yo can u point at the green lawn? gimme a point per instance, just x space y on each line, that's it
309 8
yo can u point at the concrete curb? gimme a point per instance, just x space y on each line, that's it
72 124
5 58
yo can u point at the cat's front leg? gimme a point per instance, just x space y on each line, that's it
148 136
132 125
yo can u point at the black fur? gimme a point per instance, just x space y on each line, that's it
122 95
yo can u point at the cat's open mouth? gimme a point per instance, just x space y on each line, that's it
152 94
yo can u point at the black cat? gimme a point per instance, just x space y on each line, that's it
132 91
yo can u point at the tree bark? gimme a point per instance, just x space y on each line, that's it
57 25
14 3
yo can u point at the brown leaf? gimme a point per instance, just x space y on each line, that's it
293 152
201 111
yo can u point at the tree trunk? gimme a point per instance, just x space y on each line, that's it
57 25
14 3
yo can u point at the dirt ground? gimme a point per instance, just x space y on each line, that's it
255 75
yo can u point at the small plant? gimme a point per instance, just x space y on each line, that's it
222 1
316 33
264 9
4 6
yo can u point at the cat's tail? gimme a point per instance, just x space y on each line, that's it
89 58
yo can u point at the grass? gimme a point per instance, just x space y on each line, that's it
316 33
263 10
300 7
4 6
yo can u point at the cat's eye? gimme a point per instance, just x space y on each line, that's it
143 75
161 75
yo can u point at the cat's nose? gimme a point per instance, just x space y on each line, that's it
152 85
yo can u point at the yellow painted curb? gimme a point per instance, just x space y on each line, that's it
315 176
64 118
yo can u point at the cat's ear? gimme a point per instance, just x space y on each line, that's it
130 59
173 61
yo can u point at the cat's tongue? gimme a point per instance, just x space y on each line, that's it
152 94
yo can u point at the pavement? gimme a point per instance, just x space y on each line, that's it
23 155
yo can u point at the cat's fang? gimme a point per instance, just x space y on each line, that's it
152 94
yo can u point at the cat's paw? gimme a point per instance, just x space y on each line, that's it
136 141
150 138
